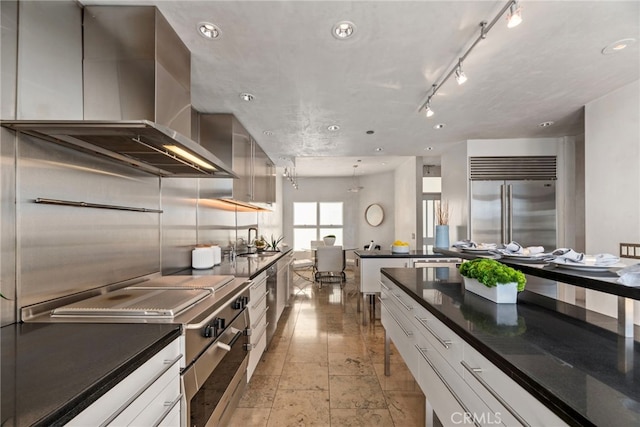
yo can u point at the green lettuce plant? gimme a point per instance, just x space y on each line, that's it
490 273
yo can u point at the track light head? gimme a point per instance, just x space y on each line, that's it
461 77
428 111
514 17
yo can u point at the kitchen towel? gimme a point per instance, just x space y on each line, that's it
569 255
606 259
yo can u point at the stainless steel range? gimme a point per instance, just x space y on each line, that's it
212 311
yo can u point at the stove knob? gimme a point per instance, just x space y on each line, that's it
207 332
218 323
245 301
237 304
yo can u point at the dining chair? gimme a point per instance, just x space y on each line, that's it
330 263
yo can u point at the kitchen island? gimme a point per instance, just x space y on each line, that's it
52 372
582 373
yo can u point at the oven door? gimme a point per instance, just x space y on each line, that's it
214 383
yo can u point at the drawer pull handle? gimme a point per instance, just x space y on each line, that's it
384 286
257 284
423 322
260 300
423 353
168 364
406 332
406 307
259 319
169 406
475 372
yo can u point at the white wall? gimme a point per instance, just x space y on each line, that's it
408 179
454 189
612 179
378 189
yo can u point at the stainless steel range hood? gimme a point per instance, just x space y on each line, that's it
136 97
140 143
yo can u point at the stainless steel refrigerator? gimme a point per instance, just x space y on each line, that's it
524 211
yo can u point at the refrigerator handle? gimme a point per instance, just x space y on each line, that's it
503 213
510 213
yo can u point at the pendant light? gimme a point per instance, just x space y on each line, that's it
354 186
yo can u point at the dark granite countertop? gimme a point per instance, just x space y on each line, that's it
605 281
51 372
388 254
242 266
585 373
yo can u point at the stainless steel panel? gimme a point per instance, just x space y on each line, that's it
486 212
49 60
8 308
179 222
8 58
64 250
533 209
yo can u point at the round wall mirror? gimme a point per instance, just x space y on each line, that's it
374 215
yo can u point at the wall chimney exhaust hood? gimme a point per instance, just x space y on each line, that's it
140 143
136 97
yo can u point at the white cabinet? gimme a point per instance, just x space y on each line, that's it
258 320
461 386
150 395
370 271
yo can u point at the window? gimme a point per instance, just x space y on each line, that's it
314 220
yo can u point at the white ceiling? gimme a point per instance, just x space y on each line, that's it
304 80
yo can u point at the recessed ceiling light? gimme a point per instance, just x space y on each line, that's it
370 132
545 124
246 97
428 149
208 30
333 128
268 133
379 149
618 46
439 126
343 30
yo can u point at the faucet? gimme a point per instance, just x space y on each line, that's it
249 240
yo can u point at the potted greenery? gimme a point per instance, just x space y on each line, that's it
329 239
492 280
272 245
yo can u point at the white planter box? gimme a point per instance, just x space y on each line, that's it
504 293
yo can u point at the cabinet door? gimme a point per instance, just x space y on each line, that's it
263 177
242 159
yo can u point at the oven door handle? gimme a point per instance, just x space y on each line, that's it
204 323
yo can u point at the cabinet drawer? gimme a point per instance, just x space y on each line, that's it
258 349
258 325
502 394
172 419
154 404
401 332
450 397
163 367
443 340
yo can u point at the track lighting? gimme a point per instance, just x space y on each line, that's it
514 17
290 174
461 77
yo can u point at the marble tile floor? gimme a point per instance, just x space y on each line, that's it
323 368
